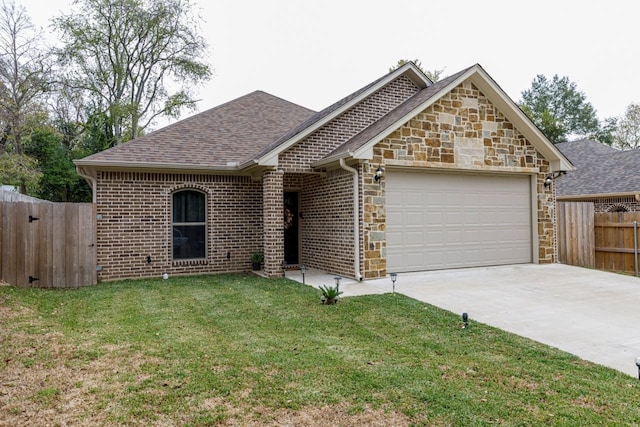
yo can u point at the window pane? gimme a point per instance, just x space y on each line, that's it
189 231
189 241
189 206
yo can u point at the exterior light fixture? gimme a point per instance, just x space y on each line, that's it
638 365
378 175
337 279
465 320
550 178
394 277
303 270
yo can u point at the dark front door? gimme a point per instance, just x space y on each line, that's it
291 233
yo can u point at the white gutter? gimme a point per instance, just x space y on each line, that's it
356 219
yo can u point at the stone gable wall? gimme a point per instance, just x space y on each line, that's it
134 221
462 130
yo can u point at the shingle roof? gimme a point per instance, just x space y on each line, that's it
600 169
231 132
326 112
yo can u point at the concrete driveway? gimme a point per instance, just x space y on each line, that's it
589 313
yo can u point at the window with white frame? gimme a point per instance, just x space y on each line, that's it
189 224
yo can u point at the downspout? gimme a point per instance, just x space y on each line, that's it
91 180
356 219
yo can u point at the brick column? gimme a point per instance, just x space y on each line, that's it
273 223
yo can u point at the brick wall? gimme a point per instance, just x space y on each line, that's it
273 227
326 139
327 225
616 204
463 130
135 222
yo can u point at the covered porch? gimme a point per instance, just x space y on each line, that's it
309 219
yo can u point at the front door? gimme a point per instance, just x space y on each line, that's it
291 232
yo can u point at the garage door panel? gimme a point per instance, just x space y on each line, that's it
414 238
414 219
445 220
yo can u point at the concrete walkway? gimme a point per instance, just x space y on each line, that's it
592 314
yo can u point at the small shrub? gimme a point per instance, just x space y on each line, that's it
329 294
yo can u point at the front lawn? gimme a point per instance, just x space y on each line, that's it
241 350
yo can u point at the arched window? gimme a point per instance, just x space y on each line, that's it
189 224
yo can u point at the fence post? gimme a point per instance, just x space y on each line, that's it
635 245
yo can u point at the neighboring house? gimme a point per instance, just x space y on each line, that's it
607 177
402 175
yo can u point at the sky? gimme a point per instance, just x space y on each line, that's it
314 53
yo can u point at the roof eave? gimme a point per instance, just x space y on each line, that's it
336 158
635 194
232 168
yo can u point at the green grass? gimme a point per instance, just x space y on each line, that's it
238 349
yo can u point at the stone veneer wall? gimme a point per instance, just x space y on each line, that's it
134 211
462 130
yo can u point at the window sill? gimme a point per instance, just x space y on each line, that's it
199 261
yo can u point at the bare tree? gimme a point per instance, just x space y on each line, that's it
627 133
24 73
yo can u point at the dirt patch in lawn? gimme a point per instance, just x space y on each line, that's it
337 415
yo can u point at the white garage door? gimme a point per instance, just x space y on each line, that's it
445 220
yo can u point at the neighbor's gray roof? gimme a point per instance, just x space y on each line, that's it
600 169
231 132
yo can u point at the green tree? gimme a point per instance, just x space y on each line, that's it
24 81
58 181
20 171
559 109
121 55
627 134
433 75
607 131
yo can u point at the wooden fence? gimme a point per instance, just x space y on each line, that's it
597 240
13 196
576 237
615 241
48 245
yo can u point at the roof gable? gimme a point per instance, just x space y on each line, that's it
361 145
269 156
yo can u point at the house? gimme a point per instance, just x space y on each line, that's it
607 177
401 175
